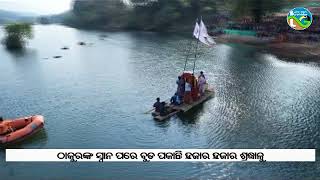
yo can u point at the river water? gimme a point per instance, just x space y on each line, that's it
95 97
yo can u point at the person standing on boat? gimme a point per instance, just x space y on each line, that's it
157 105
181 83
202 83
202 75
194 88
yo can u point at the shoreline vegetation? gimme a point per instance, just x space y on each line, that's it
261 23
16 35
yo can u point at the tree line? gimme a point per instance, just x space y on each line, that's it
162 15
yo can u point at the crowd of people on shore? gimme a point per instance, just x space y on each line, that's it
189 89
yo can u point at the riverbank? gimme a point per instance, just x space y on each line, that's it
289 51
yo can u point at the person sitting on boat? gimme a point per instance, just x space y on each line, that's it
157 105
163 109
175 100
202 83
187 94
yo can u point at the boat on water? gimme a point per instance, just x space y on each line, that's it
173 110
193 92
12 131
186 107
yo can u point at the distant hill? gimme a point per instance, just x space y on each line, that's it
9 17
54 19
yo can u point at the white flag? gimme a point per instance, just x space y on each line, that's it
204 33
196 30
200 32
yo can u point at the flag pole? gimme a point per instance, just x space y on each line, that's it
195 56
190 47
188 53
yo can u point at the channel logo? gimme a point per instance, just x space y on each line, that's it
299 18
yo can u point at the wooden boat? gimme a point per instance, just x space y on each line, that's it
18 129
162 118
184 107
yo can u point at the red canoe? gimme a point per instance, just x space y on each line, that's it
18 129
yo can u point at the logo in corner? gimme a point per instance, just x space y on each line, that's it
299 18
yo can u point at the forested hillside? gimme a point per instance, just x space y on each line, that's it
165 15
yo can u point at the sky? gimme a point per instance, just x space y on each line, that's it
41 7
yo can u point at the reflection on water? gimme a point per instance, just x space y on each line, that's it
95 96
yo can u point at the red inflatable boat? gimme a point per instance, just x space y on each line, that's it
18 129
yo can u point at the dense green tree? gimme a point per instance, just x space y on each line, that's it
256 8
161 15
17 35
97 13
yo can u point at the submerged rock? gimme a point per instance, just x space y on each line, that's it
81 43
57 57
65 48
103 35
